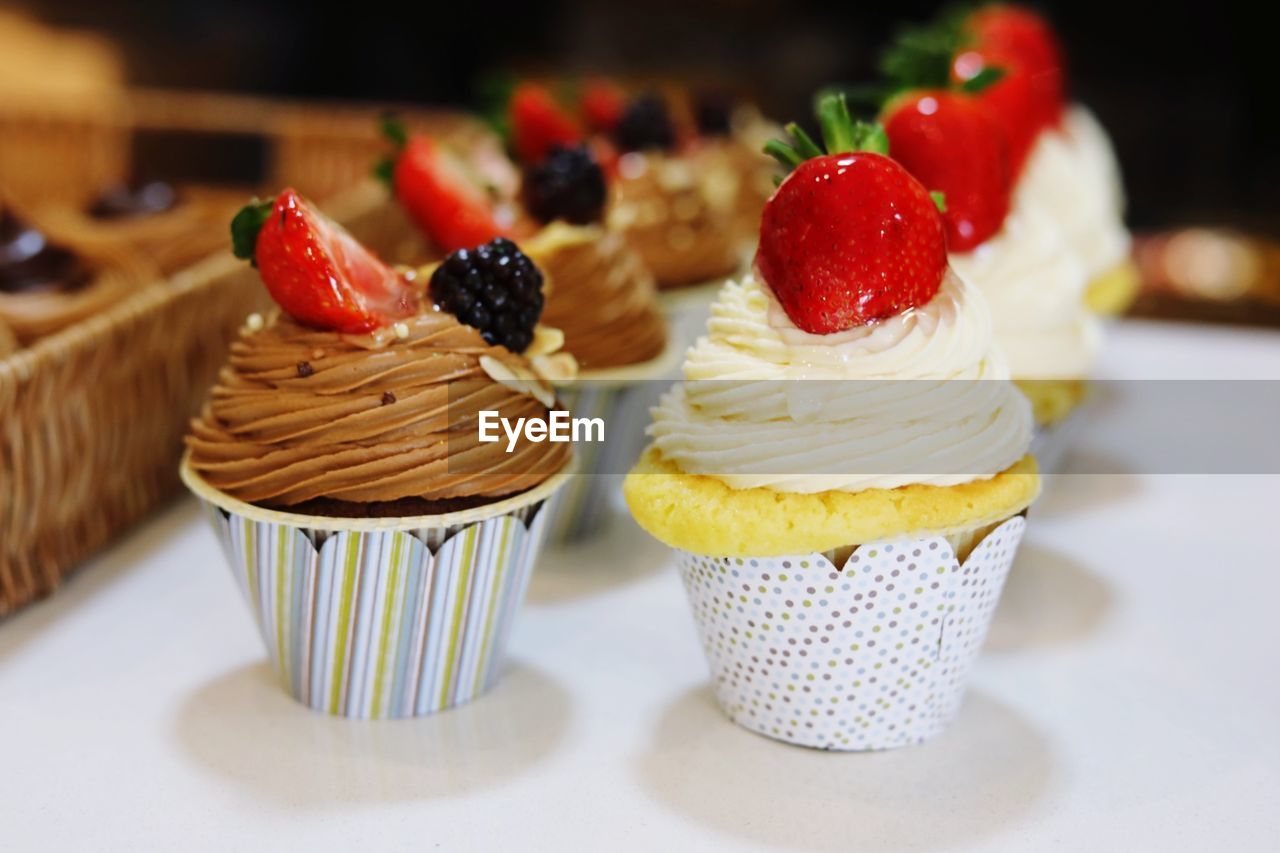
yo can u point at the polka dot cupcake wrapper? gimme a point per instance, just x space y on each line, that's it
872 655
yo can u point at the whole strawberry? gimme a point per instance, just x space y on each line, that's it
948 140
1023 42
849 237
316 271
538 124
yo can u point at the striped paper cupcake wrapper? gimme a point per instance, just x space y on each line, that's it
382 618
874 654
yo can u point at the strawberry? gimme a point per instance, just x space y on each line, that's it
316 271
1006 55
1025 42
435 190
948 141
602 103
850 237
538 123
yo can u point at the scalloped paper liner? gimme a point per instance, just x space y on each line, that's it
389 621
873 655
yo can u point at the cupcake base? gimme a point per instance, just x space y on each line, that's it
865 653
382 618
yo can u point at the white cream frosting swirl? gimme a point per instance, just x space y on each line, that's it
1073 173
1035 282
741 418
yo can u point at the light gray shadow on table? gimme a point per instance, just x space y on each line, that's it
95 575
1087 482
620 555
1049 599
977 778
245 729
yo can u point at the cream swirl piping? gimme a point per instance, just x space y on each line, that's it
1034 283
1072 173
947 415
301 414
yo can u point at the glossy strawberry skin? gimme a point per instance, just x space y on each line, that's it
452 211
1021 36
849 239
538 124
322 276
602 104
1030 96
948 141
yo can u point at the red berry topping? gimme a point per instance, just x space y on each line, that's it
441 198
1025 44
602 105
848 238
949 142
538 123
1004 54
317 272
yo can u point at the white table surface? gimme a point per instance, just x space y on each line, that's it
1128 699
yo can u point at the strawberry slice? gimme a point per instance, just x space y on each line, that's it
317 272
602 104
949 142
434 188
538 124
850 237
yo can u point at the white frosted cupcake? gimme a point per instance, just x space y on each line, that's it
843 471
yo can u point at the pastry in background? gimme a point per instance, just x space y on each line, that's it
600 294
45 285
1060 157
737 175
170 227
8 343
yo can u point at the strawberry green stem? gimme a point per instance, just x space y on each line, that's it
840 134
245 227
804 144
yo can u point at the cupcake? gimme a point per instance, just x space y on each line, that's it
46 286
736 173
381 542
1061 157
844 471
1001 237
600 294
662 203
171 228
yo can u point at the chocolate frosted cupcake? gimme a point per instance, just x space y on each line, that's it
374 425
170 227
341 461
46 286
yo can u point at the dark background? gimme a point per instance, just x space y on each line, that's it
1188 90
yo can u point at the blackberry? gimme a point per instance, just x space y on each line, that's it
713 112
493 287
568 185
646 123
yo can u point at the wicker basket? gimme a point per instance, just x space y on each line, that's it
92 418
